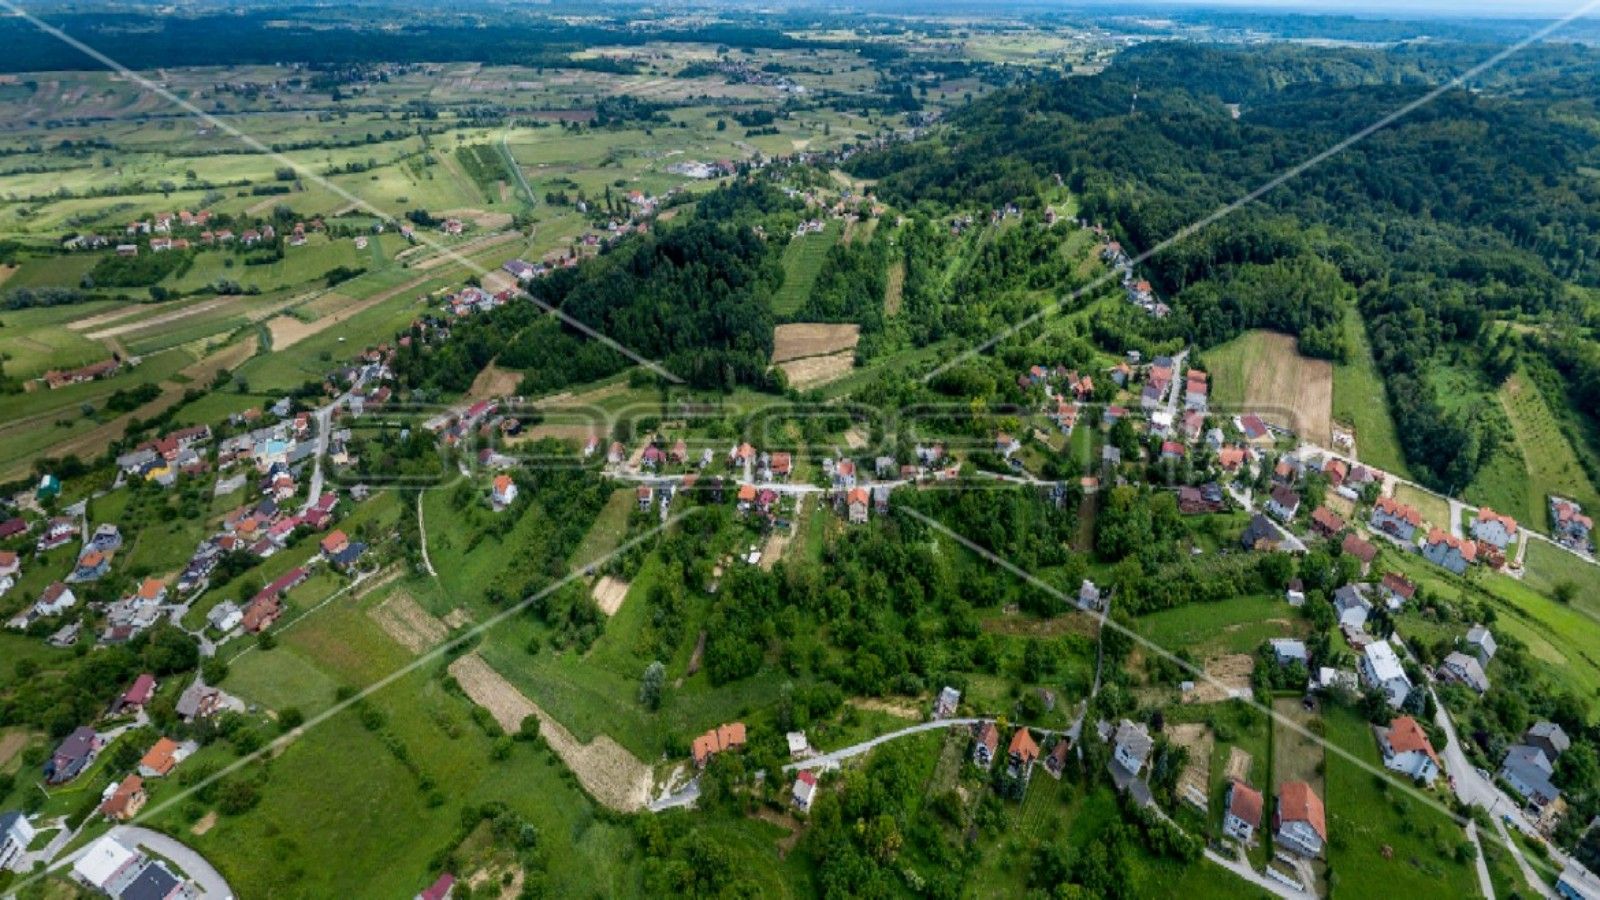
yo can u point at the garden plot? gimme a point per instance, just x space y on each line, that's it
609 773
411 626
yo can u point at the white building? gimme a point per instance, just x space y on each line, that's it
1407 750
16 833
1380 668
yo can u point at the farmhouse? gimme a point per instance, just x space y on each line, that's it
504 492
1397 590
1300 823
1406 749
125 800
1572 527
856 502
1481 643
1324 521
56 378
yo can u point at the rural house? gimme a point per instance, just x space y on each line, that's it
1283 503
718 740
1131 746
1350 606
1548 738
1324 521
1528 772
1243 812
72 755
16 835
1406 749
986 745
1397 590
945 706
125 801
1360 549
805 790
1481 643
1022 754
1300 823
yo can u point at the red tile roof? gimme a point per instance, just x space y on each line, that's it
1392 507
1297 802
1406 736
1245 803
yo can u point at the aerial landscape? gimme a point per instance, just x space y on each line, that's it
872 449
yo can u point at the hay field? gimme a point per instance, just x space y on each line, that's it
1263 373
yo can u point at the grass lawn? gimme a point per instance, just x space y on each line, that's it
802 262
1384 842
608 530
1434 509
1546 567
1359 400
1239 625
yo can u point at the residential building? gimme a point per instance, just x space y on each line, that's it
1325 522
138 694
856 501
805 791
1022 754
16 835
1481 644
1397 590
1407 750
1261 534
161 758
1055 762
1392 517
441 889
72 755
1351 606
1493 528
1131 746
1463 669
1283 503
1528 772
1360 549
945 706
1549 739
1243 812
504 492
720 739
798 745
125 800
108 866
1444 549
1380 668
1289 650
1300 823
986 745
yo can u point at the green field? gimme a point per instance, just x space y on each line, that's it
1550 465
1360 400
1382 840
1547 567
802 263
1239 625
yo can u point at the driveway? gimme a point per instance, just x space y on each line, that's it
212 885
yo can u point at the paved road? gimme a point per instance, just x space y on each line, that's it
828 760
324 417
1485 883
1270 885
212 885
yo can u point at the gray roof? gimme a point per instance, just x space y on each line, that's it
1133 739
1467 667
1531 768
1551 733
9 820
1350 597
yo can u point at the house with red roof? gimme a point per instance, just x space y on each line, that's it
1493 528
138 694
1407 750
805 790
1445 549
720 739
1392 517
1300 823
1359 548
1243 812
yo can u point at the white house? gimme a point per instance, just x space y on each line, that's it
805 790
108 866
1243 815
504 492
1283 503
1131 746
1380 668
1351 606
1300 824
1289 650
16 833
1407 750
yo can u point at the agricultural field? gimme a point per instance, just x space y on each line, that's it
802 262
1551 466
1261 372
1361 402
1239 625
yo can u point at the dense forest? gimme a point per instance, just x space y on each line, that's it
1432 227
